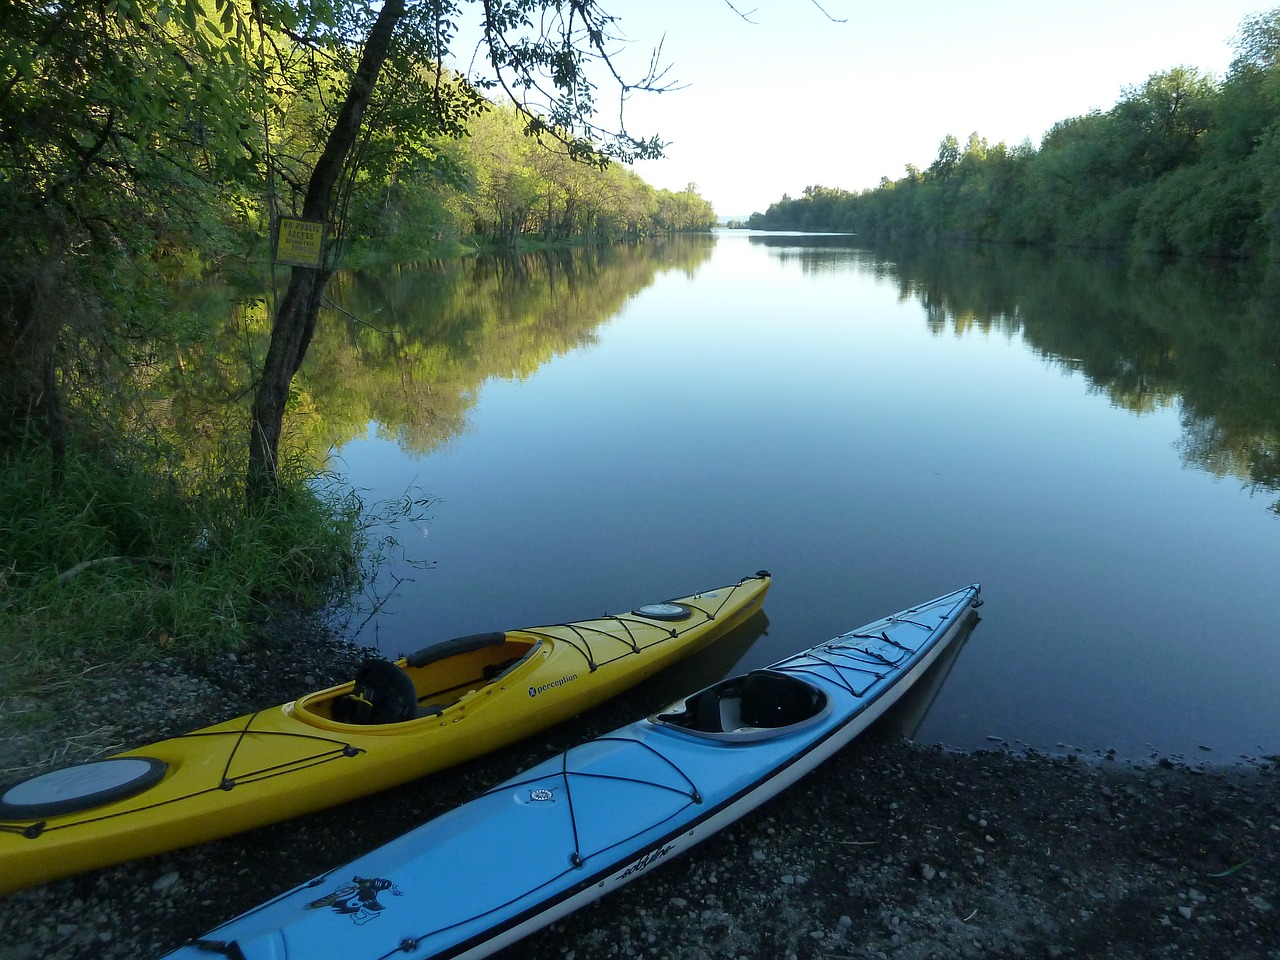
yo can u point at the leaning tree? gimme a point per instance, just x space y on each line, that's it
545 55
128 126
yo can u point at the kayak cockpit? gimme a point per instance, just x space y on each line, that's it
422 685
759 705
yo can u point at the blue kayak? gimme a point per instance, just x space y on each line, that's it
581 824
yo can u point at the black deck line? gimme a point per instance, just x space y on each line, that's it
604 873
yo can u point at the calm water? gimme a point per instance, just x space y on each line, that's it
1098 445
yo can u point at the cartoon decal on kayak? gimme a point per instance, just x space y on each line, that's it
358 899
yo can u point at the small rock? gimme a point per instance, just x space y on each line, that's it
164 883
927 871
1185 912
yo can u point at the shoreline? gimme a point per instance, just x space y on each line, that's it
891 849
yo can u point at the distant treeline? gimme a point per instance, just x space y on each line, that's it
499 188
1184 164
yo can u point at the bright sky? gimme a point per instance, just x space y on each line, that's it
793 99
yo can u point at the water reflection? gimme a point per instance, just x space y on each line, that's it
1145 333
905 717
409 348
874 425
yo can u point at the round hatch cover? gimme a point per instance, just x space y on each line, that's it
80 787
664 611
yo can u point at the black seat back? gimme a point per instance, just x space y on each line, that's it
775 700
383 693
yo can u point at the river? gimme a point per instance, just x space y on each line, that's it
1096 443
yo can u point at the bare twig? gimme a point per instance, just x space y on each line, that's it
67 575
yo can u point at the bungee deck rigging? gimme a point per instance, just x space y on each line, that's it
444 704
581 824
583 631
224 783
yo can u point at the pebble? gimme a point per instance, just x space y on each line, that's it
165 882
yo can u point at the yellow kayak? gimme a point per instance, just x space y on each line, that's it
396 721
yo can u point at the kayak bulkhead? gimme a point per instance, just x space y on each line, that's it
469 696
579 825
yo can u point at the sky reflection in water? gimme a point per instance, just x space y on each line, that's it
801 406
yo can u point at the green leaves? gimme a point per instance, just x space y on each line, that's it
135 129
1183 163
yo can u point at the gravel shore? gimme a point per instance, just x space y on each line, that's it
892 849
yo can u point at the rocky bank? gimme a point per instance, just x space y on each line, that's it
890 850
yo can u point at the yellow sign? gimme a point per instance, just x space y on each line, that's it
300 242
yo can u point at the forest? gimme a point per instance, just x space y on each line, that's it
1184 164
148 147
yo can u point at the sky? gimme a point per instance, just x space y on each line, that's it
788 97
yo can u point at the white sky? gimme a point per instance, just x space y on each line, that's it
793 99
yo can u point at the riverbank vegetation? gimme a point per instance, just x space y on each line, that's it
149 142
1184 164
113 565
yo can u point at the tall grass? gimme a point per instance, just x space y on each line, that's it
122 563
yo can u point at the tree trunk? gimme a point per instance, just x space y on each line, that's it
297 311
290 337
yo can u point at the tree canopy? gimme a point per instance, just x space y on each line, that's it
143 134
1184 163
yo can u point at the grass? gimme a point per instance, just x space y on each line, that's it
122 564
